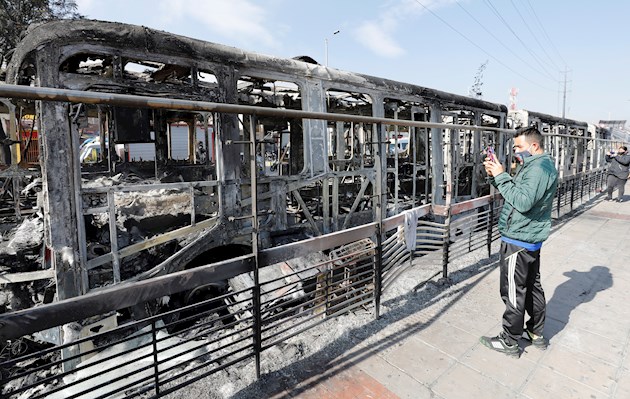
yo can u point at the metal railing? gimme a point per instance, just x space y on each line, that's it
155 355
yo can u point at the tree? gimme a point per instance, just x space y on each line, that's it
17 15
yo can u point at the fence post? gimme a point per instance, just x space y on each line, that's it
598 181
446 247
156 372
559 190
256 301
572 192
378 267
257 319
490 224
381 189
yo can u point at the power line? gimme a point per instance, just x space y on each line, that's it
500 42
498 14
534 35
545 32
480 48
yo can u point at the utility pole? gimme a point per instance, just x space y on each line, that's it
475 89
564 92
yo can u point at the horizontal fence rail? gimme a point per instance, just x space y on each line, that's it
127 100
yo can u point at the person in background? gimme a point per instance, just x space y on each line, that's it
524 224
617 172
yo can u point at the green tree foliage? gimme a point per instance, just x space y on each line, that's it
17 15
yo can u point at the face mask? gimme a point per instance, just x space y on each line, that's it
523 154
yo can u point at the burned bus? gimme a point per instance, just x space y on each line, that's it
120 216
162 189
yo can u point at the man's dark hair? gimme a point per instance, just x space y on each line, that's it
531 134
624 147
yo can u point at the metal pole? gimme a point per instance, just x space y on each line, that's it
572 192
156 372
128 100
256 290
378 270
490 224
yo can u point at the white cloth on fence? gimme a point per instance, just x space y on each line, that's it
410 227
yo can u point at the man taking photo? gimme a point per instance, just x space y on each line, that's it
524 223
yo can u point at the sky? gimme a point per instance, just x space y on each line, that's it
539 49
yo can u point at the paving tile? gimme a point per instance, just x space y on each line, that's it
510 372
394 379
422 362
622 390
317 392
375 388
596 345
553 328
531 353
612 305
489 281
620 264
465 383
599 324
356 384
472 320
581 367
449 339
562 306
547 383
576 289
487 302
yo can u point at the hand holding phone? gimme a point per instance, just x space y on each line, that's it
490 153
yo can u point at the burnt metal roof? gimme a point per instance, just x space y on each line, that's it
141 39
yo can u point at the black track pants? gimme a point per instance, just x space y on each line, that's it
521 291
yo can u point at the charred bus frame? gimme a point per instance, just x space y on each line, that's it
297 150
334 171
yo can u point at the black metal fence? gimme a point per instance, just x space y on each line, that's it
157 355
206 327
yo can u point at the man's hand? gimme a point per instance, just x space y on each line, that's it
493 167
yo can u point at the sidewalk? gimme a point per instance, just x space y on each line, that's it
435 352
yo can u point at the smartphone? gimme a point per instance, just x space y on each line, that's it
490 153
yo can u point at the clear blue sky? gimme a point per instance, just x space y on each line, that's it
402 40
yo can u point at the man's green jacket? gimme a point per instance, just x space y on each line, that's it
528 195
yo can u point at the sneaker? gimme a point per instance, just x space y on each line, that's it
538 341
608 199
499 344
619 200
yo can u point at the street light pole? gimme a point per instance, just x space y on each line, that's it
326 46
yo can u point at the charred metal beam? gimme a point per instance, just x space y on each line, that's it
127 100
301 248
17 324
